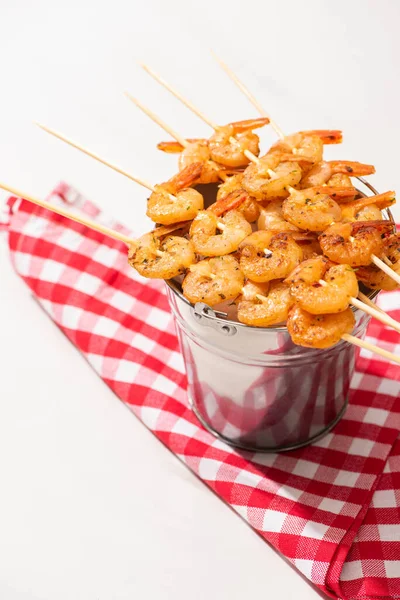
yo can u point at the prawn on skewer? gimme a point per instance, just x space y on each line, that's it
213 280
266 255
375 278
199 152
206 240
315 208
321 288
310 210
264 304
318 331
272 175
186 204
175 200
159 257
356 243
270 178
306 145
271 218
335 172
310 247
249 207
219 147
307 289
239 200
234 154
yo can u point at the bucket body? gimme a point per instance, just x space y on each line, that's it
254 388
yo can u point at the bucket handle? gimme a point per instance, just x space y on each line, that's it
205 315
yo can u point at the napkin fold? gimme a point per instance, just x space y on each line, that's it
332 508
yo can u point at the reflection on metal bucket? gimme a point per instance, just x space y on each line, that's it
253 387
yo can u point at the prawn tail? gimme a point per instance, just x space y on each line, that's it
381 200
328 136
229 202
188 176
300 237
249 124
351 168
174 147
381 226
287 157
337 193
170 147
160 232
232 170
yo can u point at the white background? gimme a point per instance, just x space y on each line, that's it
92 507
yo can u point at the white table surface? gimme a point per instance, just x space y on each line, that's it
92 506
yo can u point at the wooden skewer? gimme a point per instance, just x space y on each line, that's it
365 299
386 269
367 346
116 235
260 297
252 157
116 168
221 174
157 120
370 310
183 142
196 111
377 314
249 95
387 261
177 95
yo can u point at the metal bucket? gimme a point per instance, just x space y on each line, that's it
254 388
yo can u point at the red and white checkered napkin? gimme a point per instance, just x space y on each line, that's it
332 509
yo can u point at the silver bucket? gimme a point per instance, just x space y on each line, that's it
255 389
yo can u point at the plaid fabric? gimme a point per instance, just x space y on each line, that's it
332 509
